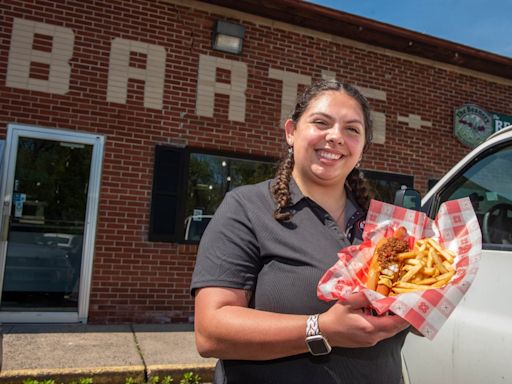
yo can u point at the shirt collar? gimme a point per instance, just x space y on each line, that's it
296 195
354 214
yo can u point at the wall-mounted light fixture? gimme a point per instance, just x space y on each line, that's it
228 37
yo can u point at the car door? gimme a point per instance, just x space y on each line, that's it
475 344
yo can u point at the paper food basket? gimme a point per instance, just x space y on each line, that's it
455 227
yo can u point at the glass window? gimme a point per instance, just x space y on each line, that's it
209 178
46 225
488 183
384 185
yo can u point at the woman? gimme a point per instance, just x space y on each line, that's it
258 267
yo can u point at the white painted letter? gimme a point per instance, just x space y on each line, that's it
207 87
291 83
328 75
22 54
379 118
120 71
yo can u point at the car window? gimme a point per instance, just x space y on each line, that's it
488 183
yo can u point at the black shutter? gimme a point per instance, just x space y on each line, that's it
166 219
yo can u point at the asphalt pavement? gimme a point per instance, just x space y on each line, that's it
109 354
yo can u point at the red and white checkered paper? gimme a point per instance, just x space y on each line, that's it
455 227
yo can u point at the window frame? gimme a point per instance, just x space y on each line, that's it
431 183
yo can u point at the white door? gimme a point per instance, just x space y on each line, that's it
50 188
475 344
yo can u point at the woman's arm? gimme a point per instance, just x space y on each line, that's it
227 329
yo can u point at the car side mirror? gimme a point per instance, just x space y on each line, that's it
408 198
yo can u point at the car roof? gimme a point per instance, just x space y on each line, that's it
500 132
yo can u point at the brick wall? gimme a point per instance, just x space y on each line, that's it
135 280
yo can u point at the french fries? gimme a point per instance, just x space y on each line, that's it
427 266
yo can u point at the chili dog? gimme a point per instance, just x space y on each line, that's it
385 266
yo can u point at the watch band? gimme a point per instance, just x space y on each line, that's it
312 328
316 342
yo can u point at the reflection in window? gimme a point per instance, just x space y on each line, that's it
44 252
210 177
383 186
488 184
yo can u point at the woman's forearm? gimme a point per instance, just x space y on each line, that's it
225 328
234 332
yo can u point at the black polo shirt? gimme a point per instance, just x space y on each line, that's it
244 247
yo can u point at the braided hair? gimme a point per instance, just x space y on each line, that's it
355 181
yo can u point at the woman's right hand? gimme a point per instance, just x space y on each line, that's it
348 324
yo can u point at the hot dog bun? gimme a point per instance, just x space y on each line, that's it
384 266
374 269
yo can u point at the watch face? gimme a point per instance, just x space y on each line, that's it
318 345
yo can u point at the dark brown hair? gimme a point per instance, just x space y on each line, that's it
355 181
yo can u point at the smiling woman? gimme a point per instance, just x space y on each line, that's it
327 142
265 249
332 124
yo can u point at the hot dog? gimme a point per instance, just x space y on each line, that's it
384 266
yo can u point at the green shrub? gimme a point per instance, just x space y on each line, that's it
83 380
165 380
191 378
187 378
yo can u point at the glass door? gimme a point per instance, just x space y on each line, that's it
50 194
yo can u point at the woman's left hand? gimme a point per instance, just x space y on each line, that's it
348 324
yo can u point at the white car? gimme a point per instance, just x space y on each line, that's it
475 345
195 226
61 240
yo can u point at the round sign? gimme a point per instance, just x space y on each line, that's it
471 125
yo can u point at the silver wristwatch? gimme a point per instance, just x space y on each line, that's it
317 344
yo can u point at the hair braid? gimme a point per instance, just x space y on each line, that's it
281 189
359 187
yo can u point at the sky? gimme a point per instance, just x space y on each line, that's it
481 24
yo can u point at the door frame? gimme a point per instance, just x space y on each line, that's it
14 132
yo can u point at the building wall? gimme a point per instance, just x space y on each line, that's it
143 73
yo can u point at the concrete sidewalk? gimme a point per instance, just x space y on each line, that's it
108 354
